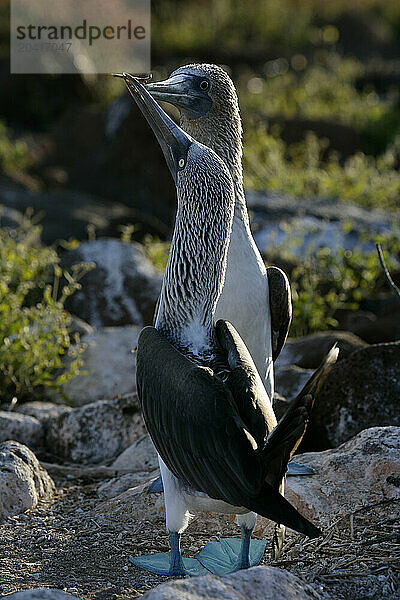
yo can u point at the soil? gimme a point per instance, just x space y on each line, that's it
81 544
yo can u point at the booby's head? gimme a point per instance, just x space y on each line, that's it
209 108
196 267
197 90
185 156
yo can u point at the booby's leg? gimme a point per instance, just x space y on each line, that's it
177 519
228 555
156 486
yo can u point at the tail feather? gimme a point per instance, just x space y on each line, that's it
285 438
270 504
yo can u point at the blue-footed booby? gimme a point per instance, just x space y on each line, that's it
203 401
256 300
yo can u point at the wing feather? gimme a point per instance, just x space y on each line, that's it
280 303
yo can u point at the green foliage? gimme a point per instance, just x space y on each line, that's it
325 91
157 251
199 26
14 155
325 281
302 170
34 336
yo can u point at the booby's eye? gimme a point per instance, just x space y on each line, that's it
204 85
181 163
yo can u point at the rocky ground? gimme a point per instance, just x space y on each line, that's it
79 537
72 520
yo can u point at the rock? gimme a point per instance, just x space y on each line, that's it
289 380
375 329
116 486
118 158
23 482
80 327
42 410
139 456
21 428
109 363
258 583
97 432
11 218
65 213
123 288
309 351
361 391
315 223
41 594
356 474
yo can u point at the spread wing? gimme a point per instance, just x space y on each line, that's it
198 430
194 423
280 302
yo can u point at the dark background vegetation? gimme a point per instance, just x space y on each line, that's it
319 90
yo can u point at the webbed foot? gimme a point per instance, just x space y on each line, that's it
227 555
295 468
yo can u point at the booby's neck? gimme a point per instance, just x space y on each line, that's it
222 132
196 266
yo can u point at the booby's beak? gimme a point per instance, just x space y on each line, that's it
185 92
174 142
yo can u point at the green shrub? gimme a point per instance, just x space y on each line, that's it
302 170
14 155
157 251
34 327
243 26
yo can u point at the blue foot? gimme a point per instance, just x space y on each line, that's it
171 564
226 555
156 486
295 468
160 564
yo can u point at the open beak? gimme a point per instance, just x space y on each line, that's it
174 142
180 90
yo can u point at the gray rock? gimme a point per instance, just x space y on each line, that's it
123 288
79 326
109 363
41 594
67 213
316 223
258 583
118 485
139 456
309 351
97 432
356 474
21 428
289 380
361 391
11 218
23 482
43 410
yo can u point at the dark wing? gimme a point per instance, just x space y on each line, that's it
280 302
196 427
287 435
244 382
194 424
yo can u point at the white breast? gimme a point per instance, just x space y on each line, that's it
245 300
